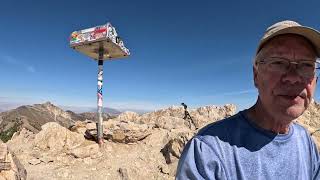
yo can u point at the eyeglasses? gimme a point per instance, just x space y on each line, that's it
305 68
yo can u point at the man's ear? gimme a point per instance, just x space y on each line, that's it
255 74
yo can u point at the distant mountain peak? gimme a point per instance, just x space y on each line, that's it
32 117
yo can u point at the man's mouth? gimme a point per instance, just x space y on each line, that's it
293 97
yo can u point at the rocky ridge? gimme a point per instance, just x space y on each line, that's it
32 117
136 146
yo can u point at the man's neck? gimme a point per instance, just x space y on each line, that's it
259 116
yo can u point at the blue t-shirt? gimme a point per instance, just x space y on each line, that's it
235 148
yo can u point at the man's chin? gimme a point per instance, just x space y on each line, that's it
293 112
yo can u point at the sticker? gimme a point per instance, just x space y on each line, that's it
100 100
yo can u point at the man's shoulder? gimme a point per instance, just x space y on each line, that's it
299 127
300 130
221 127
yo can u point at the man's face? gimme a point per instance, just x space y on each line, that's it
285 95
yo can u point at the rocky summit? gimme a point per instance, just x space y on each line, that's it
146 146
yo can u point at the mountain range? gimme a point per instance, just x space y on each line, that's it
32 117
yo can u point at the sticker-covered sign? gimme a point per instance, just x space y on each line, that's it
88 40
88 35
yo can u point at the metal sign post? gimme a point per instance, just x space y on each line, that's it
99 97
100 43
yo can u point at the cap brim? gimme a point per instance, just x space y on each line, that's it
311 34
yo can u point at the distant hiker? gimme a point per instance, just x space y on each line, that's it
264 142
187 116
186 113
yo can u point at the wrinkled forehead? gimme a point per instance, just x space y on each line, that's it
290 45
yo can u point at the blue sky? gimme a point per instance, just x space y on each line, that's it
197 52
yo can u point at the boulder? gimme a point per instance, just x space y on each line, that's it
86 151
173 111
79 127
173 149
10 166
126 136
56 138
128 116
169 122
208 114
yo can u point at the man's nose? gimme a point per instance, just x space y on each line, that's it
292 76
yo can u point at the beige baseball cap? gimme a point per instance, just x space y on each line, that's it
291 27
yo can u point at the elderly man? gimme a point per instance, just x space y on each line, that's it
263 142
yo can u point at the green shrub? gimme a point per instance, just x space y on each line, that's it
6 135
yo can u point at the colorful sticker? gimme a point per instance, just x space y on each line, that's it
100 83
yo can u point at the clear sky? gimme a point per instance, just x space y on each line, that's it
197 52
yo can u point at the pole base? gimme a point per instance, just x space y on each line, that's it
100 142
